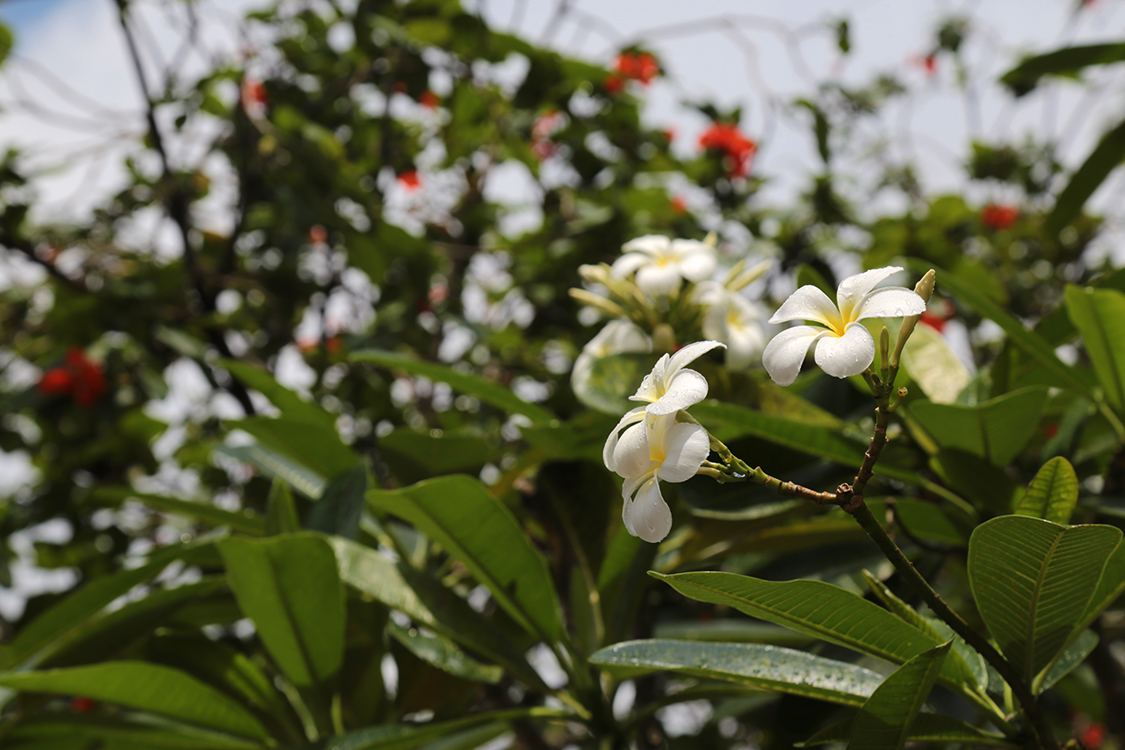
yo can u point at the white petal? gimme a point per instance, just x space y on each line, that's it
631 455
687 388
785 354
745 346
697 259
853 288
657 280
631 416
652 387
889 302
648 516
686 447
709 293
689 354
715 323
650 244
846 355
628 263
807 303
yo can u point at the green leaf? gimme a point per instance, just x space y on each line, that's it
883 722
441 653
413 456
147 687
245 521
475 528
338 510
1027 340
7 41
281 511
606 383
757 666
273 464
932 364
1073 655
730 631
54 729
1099 315
1032 580
924 728
1052 494
288 402
473 385
1110 586
289 586
813 607
1105 157
1061 62
428 603
996 430
309 443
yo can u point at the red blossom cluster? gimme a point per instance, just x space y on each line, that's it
429 99
253 98
632 66
937 314
80 377
410 179
733 143
996 217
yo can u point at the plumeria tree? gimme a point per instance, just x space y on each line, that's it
383 460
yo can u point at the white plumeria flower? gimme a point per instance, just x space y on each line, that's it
662 264
735 321
669 387
617 337
652 449
847 347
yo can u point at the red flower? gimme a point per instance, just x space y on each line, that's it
613 83
332 344
736 147
253 98
82 705
639 66
429 99
318 235
933 320
929 64
410 179
1093 735
678 204
996 217
56 382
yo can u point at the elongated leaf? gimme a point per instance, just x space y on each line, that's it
53 730
473 385
428 603
996 430
932 364
287 401
338 510
1027 340
883 723
1099 315
245 521
1110 587
924 728
1061 62
310 444
458 513
407 737
1032 580
289 586
1105 157
281 512
730 631
757 666
1052 494
814 607
1073 655
441 653
273 464
148 687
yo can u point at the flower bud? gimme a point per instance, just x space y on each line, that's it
924 289
592 274
601 304
745 277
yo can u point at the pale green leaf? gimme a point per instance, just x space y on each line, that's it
883 723
1099 315
1052 494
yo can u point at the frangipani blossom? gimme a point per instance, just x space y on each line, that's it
653 448
669 387
734 320
661 264
847 347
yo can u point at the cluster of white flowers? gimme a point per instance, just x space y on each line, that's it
649 444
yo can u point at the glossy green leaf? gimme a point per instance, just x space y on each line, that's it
338 510
814 607
287 401
883 723
281 510
1073 655
289 586
1105 157
1066 61
443 654
413 456
475 528
1110 586
245 521
472 385
754 665
729 630
1099 315
996 430
606 383
1027 340
924 728
1052 494
147 687
932 364
430 604
52 730
309 443
273 464
1032 580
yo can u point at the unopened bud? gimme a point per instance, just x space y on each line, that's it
711 239
924 289
885 346
663 338
592 274
599 303
744 278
